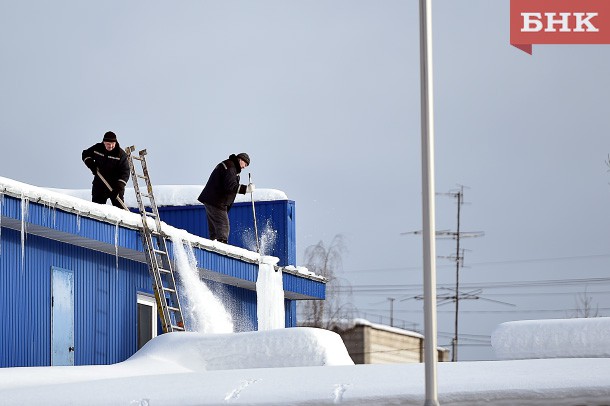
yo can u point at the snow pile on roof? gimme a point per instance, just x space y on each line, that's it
301 270
348 324
178 195
53 197
561 338
285 347
79 201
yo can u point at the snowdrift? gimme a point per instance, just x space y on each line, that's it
291 347
246 368
560 338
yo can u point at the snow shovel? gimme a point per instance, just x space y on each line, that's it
99 175
258 249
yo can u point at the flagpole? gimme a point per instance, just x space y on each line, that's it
428 202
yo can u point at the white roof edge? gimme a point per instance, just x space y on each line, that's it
82 207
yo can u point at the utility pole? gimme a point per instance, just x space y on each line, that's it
459 262
391 299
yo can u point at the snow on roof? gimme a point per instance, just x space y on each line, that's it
179 195
55 197
559 338
346 324
78 201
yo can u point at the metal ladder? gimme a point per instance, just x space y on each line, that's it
159 263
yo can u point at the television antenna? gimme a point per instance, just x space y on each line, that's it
456 235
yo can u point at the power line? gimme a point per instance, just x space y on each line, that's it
513 311
487 263
505 294
597 292
483 285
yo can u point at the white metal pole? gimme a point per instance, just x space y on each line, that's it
428 212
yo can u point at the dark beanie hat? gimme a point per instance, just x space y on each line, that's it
243 156
110 137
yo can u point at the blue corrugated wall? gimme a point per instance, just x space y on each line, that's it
105 288
271 216
104 301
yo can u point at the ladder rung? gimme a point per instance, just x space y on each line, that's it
164 294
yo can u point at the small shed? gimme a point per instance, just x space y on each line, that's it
75 287
370 343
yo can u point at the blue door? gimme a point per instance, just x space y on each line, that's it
62 317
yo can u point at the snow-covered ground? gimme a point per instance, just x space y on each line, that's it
304 366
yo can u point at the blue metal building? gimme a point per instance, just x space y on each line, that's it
75 287
275 220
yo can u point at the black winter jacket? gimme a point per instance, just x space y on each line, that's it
112 165
223 184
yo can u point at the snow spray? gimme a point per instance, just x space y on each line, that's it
267 239
203 312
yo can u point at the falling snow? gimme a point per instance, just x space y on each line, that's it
202 310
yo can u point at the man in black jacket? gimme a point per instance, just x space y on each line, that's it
219 194
110 160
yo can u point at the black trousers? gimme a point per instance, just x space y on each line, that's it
101 194
218 223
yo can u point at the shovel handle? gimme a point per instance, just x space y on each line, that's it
99 175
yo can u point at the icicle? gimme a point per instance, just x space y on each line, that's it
1 204
24 213
78 222
45 205
269 297
46 214
116 246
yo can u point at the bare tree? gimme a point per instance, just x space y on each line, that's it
326 261
584 307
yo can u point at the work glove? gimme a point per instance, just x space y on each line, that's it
91 165
118 189
250 188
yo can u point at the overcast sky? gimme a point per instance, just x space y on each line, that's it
324 97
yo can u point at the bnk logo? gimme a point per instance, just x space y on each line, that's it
559 22
533 22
